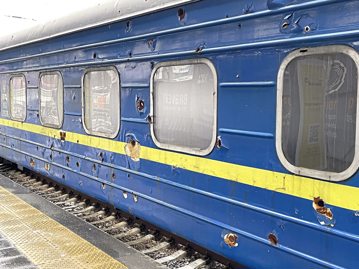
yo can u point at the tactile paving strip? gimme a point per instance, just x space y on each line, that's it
45 242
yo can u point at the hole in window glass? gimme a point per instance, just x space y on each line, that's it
319 104
18 98
184 107
102 102
51 99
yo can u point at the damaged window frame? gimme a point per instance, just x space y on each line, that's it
325 175
11 100
60 103
100 134
199 152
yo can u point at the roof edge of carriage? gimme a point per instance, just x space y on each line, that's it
101 14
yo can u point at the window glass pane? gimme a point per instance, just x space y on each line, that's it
319 111
4 98
184 106
102 102
18 98
51 99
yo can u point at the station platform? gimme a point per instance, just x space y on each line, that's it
34 233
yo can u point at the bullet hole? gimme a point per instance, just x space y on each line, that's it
130 54
128 26
285 25
103 186
94 55
133 150
219 142
307 29
200 48
94 167
37 147
227 16
113 176
140 104
101 156
135 198
77 164
273 239
149 119
181 14
32 162
124 194
63 176
231 239
67 160
239 25
47 167
128 175
319 206
151 43
50 156
303 50
324 214
62 136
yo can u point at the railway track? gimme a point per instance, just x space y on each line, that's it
165 249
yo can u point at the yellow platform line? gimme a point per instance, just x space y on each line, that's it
45 242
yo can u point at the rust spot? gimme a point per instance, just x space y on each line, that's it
319 206
133 150
231 239
273 239
62 135
32 162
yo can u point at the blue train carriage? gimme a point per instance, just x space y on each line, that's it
232 124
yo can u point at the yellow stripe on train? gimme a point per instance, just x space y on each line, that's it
333 193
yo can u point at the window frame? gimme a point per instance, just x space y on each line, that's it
102 68
325 175
10 99
170 147
63 99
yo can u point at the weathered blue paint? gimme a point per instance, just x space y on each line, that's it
246 43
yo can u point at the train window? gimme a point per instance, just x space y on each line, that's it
101 97
184 106
4 98
317 123
51 93
17 97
